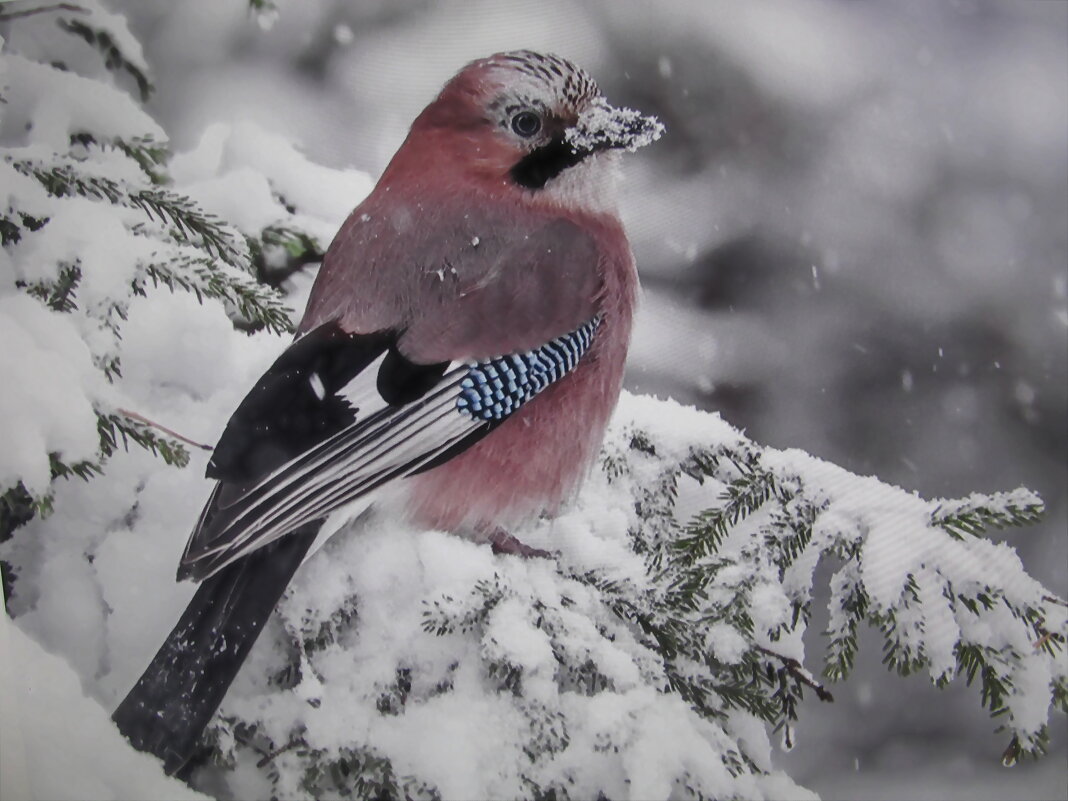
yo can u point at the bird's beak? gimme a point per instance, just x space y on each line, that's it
604 127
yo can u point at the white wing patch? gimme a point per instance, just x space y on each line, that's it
362 390
373 441
384 442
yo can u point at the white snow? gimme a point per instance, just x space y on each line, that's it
58 743
56 104
93 235
243 172
49 387
601 125
95 580
512 638
726 643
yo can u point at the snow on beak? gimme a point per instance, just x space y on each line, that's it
604 127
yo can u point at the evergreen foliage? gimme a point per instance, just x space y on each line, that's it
178 244
729 536
114 59
649 658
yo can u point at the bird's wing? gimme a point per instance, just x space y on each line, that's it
339 414
458 284
458 325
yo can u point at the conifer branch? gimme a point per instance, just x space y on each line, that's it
150 155
798 671
259 304
60 294
142 419
299 249
5 16
116 430
973 515
190 223
102 41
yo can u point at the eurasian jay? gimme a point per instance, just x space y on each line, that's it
464 340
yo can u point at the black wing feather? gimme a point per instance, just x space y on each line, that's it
340 414
293 416
283 416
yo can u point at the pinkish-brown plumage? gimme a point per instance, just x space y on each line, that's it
450 250
464 340
538 457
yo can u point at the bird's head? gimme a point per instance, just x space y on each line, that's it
533 123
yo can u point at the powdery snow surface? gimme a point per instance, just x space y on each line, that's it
59 744
460 667
631 742
46 405
41 96
246 174
457 712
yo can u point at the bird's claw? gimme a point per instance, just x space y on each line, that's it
503 542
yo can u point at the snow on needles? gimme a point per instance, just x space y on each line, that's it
46 406
630 664
54 104
481 676
246 174
455 665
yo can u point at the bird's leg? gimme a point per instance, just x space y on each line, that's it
503 542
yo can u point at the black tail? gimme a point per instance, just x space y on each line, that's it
178 693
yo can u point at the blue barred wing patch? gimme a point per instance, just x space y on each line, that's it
495 388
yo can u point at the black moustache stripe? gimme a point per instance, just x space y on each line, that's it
545 162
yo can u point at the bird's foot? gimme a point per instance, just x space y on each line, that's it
503 542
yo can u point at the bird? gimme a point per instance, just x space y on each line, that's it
463 343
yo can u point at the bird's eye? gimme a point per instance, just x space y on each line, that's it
526 124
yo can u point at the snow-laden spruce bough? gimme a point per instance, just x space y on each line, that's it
652 657
657 652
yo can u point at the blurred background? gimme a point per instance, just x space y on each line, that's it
853 240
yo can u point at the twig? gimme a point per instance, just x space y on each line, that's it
1053 600
142 419
797 670
29 12
1045 638
277 752
788 736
